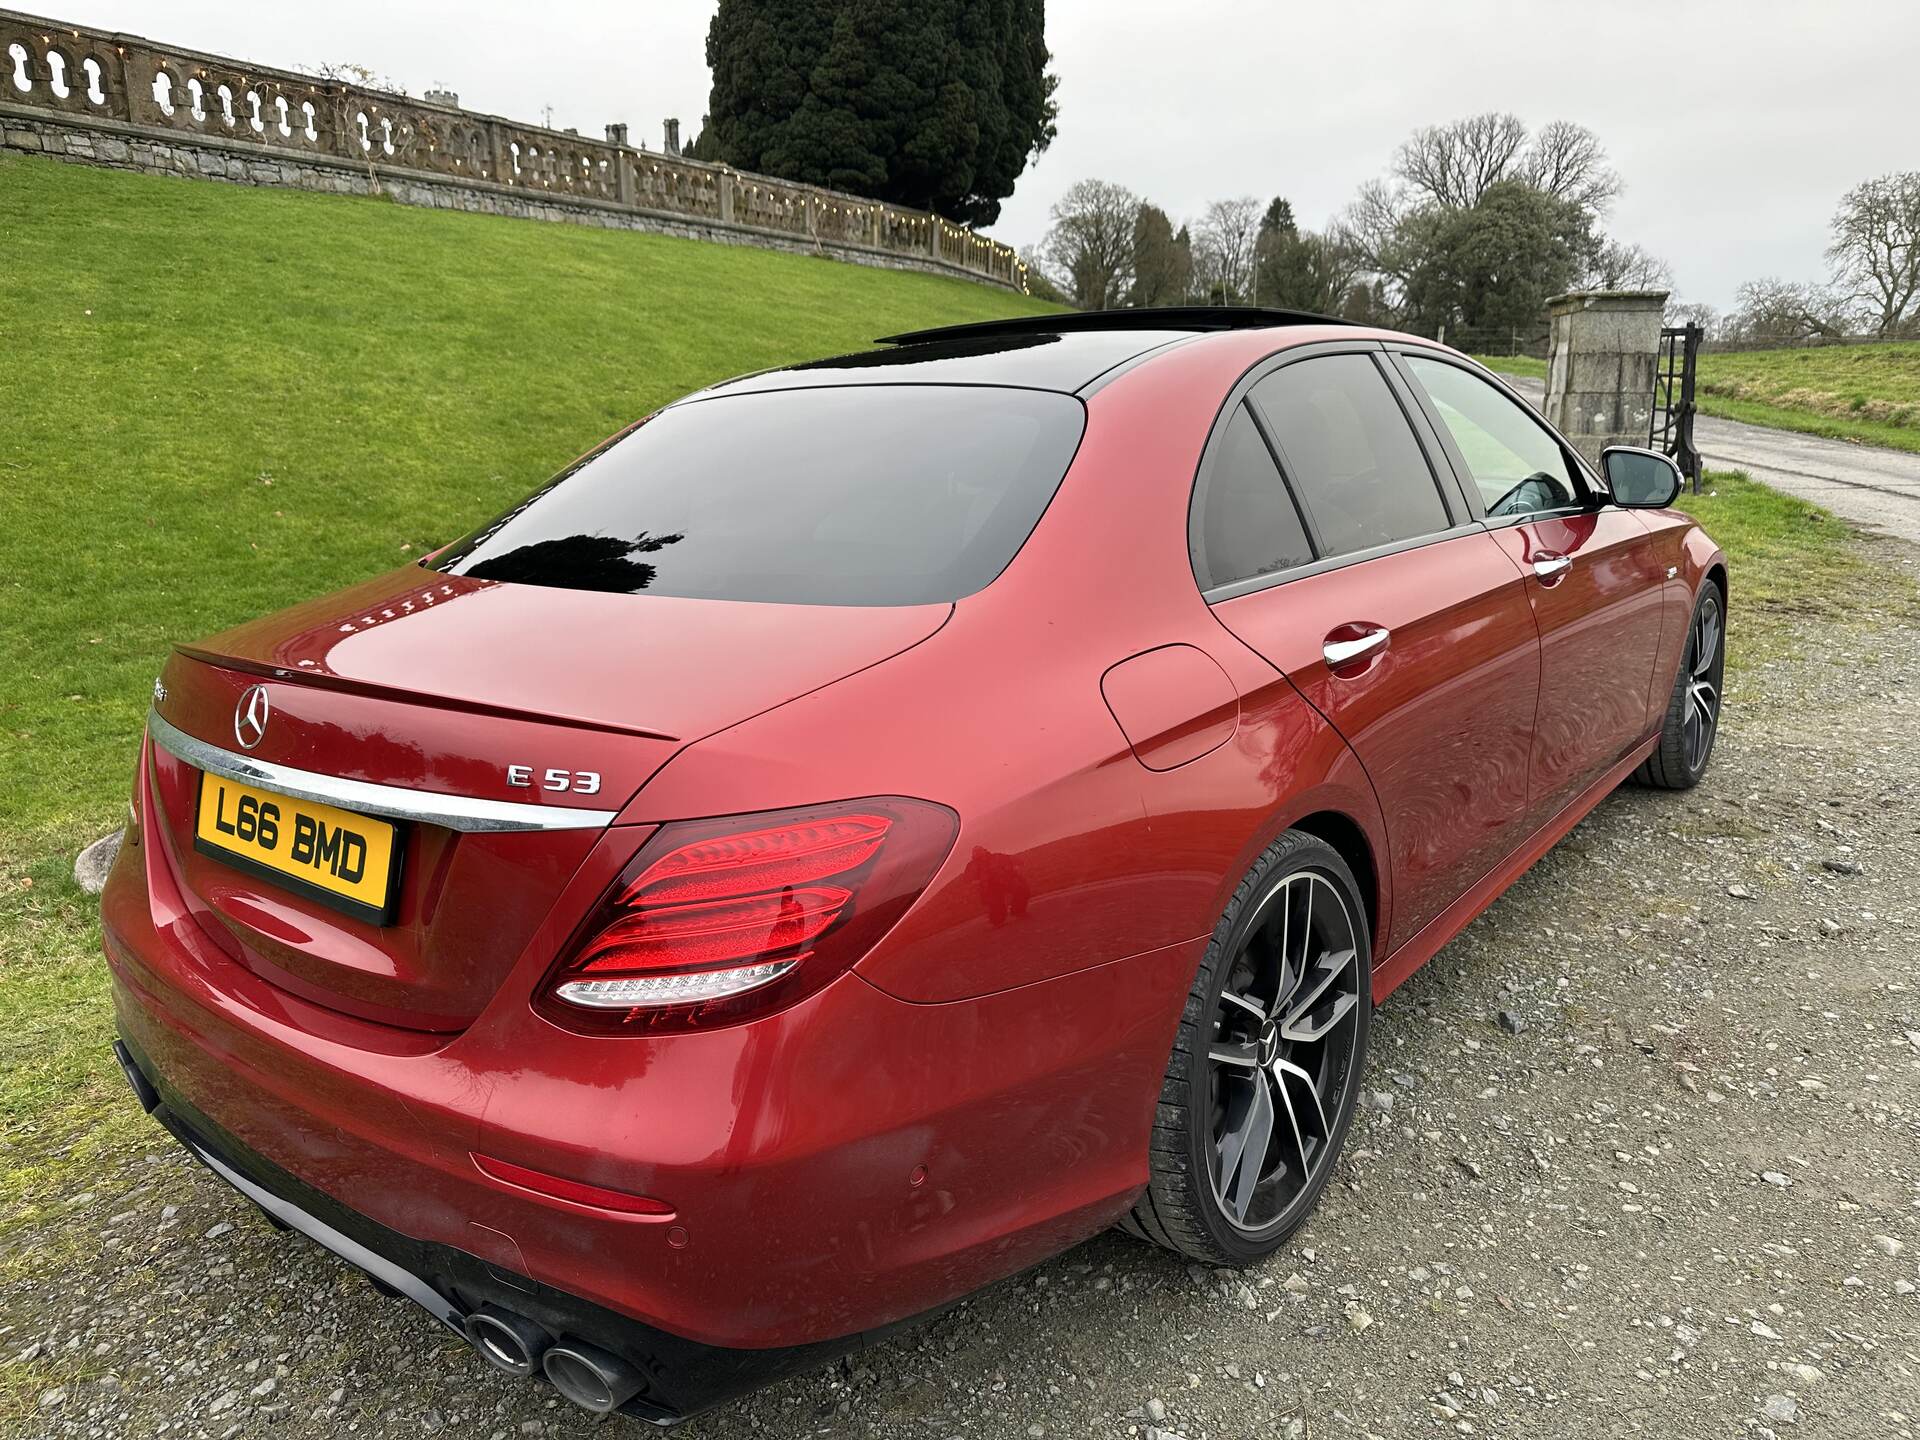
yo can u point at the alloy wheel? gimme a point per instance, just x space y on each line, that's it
1282 1050
1704 666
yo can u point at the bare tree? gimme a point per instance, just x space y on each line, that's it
1090 244
1567 161
1614 266
1455 164
1041 282
1372 225
1694 312
347 73
1782 312
1224 245
1876 249
1304 270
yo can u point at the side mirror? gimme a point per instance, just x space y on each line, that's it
1640 479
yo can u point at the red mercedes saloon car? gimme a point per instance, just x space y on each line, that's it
873 824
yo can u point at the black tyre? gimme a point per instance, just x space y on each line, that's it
1266 1067
1693 710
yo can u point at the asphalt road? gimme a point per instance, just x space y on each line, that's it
1861 483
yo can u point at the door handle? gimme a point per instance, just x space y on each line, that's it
1345 652
1549 567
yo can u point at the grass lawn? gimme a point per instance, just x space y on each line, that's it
218 400
215 400
1865 393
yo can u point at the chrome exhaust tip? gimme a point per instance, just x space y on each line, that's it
511 1343
590 1377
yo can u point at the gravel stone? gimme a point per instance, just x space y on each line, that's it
1668 1031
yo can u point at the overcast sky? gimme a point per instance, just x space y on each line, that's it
1736 124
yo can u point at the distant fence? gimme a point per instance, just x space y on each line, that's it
1531 341
123 101
1501 340
1805 342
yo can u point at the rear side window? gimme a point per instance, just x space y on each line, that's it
1245 523
868 495
1352 458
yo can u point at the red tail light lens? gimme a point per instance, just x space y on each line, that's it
718 921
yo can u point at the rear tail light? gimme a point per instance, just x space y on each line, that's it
718 921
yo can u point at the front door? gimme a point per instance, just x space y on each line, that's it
1592 572
1392 612
1599 612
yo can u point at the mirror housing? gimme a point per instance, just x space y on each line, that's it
1640 479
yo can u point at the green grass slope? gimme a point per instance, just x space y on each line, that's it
1869 394
216 400
219 400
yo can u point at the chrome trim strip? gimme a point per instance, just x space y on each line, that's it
328 1238
395 802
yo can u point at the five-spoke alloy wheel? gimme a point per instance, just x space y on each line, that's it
1693 709
1267 1064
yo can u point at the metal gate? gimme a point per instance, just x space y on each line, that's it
1670 426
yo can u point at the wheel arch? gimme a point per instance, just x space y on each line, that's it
1716 576
1350 842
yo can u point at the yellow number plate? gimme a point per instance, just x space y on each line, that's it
348 861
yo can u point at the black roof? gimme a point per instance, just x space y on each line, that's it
1066 351
1046 359
1151 317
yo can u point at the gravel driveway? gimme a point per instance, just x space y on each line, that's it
1640 1156
1862 483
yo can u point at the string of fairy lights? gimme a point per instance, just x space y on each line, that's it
915 227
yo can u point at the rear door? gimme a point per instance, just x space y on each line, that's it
1328 543
1593 574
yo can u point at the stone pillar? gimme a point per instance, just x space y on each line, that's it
1606 344
672 129
623 177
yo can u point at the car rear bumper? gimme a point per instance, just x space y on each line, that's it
682 1376
845 1165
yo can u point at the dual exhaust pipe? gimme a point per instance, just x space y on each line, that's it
585 1374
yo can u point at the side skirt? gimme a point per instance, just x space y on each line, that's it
1394 970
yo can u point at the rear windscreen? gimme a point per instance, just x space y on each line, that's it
869 495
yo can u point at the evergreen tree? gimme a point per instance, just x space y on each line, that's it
1162 261
936 104
1493 265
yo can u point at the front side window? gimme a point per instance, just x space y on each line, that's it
1518 468
867 495
1350 454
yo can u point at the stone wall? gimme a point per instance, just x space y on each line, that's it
122 101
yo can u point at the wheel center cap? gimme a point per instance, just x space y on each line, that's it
1269 1042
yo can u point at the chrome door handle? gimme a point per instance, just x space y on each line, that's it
1549 566
1341 652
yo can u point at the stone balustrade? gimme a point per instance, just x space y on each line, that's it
122 100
